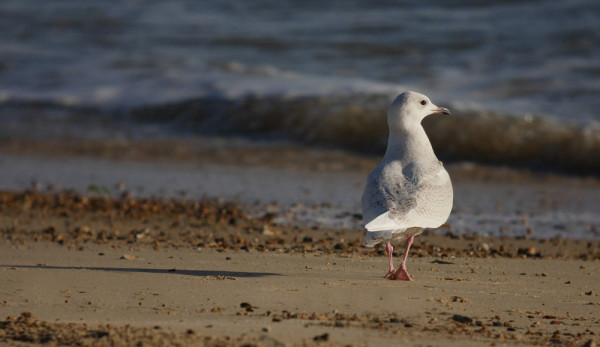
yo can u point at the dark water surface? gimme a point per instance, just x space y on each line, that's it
318 72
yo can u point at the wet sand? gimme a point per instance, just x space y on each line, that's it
300 185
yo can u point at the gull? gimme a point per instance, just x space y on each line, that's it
409 190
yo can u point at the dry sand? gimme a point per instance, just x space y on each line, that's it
102 271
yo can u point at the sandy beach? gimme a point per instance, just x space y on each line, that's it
123 295
93 268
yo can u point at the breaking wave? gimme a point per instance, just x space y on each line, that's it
358 123
355 122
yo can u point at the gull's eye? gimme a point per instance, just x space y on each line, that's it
423 102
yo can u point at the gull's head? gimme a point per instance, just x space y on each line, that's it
410 108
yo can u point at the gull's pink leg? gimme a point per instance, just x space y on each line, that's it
401 273
390 252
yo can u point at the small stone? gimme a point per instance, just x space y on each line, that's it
321 338
268 231
247 305
129 257
589 343
462 319
528 251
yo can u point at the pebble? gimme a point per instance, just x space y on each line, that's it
589 343
462 319
321 338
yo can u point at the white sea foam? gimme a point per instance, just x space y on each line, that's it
517 57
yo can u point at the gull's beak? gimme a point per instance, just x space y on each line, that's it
441 110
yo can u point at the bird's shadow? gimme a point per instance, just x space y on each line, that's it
200 273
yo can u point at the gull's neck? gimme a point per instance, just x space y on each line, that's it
409 144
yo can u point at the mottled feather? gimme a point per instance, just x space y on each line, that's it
406 193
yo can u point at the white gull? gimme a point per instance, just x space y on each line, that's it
409 190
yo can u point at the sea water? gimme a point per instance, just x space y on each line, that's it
311 71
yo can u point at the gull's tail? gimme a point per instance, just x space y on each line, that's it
372 238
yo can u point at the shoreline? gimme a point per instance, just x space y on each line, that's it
77 221
301 186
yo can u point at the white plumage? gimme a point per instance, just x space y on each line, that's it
409 190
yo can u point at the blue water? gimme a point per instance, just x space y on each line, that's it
512 57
